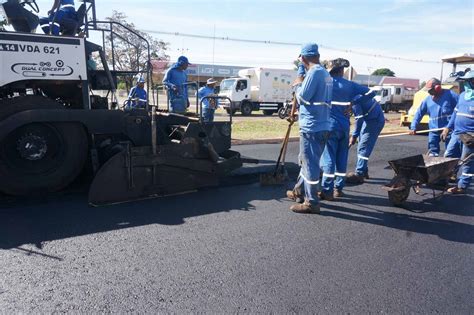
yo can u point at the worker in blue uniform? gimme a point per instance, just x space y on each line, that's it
175 80
314 99
61 9
462 125
439 106
334 159
137 98
208 105
369 122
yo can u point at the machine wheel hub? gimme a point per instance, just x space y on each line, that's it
32 147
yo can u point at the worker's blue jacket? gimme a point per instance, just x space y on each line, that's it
314 99
137 98
462 120
203 92
175 77
439 110
368 111
66 5
343 92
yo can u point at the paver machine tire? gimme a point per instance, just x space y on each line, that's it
39 156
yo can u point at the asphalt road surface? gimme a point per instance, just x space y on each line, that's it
238 248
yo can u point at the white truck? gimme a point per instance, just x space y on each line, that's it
394 97
258 89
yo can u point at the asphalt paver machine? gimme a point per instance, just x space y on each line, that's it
53 127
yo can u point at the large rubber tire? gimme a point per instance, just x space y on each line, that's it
58 155
268 112
246 109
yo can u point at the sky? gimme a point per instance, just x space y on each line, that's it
414 29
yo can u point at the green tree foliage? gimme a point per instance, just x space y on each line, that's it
384 72
3 23
130 52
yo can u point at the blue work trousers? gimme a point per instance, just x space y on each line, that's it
434 139
311 148
334 161
467 169
47 22
208 114
454 147
368 137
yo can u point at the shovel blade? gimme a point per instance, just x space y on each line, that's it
274 178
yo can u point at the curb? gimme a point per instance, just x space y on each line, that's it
280 140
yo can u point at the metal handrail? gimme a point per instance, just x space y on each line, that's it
216 98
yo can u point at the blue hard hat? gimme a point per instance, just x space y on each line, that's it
469 75
183 60
309 50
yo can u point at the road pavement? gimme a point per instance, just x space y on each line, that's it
238 248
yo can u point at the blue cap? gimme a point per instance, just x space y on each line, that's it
183 60
141 80
309 50
469 75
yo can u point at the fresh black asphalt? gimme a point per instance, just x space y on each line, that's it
238 248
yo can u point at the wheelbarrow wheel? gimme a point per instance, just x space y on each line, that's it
401 190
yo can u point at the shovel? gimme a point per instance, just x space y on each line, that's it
280 175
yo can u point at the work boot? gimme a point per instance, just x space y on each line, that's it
366 176
338 193
353 178
456 190
306 208
326 196
292 195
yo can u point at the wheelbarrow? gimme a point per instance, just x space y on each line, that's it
415 172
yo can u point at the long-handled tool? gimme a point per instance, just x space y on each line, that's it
407 133
279 175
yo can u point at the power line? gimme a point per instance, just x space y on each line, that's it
269 42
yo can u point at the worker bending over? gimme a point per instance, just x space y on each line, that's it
439 106
61 9
175 80
314 98
462 122
369 122
137 98
334 159
208 105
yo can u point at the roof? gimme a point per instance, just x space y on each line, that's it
408 83
459 58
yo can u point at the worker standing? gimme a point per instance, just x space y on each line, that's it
369 122
137 98
175 80
334 159
314 98
208 105
462 124
61 9
439 106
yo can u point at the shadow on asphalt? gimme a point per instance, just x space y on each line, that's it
409 221
42 219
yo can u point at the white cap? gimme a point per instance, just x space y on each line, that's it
211 81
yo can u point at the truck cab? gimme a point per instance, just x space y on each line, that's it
238 90
382 96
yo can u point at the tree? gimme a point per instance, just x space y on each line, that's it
384 72
296 63
422 85
127 47
3 23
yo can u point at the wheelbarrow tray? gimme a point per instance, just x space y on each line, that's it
425 169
